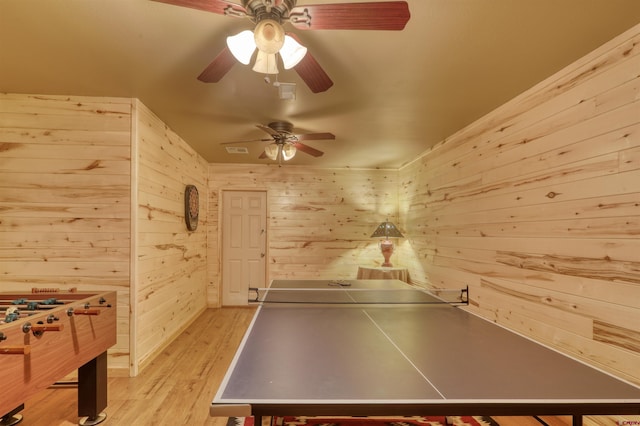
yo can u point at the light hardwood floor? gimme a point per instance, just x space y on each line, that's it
177 387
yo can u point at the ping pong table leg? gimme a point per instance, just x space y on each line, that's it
577 420
257 419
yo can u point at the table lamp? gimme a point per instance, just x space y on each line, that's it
386 230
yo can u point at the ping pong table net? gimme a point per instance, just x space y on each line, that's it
341 293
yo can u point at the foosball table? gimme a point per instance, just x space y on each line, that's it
46 335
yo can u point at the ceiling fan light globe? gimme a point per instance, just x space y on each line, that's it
271 151
292 52
288 152
269 36
242 46
266 63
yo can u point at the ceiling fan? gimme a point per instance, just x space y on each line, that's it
270 39
284 143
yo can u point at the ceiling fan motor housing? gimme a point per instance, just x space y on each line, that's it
281 126
278 10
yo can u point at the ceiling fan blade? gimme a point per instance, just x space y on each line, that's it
386 15
315 136
221 7
312 73
307 149
263 155
218 67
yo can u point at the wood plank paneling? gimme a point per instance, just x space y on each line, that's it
65 190
171 262
66 220
536 208
319 220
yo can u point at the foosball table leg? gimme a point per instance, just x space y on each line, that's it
92 391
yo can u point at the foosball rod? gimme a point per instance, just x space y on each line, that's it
16 316
53 290
13 314
85 311
41 302
41 328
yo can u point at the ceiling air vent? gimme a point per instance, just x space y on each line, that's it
237 150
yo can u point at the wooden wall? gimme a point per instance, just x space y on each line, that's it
537 208
319 220
67 189
65 166
171 264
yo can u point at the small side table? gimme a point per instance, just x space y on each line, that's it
381 273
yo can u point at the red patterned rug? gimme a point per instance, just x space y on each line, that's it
371 421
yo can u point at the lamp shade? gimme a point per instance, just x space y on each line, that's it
292 52
288 152
266 63
275 151
271 151
387 229
242 46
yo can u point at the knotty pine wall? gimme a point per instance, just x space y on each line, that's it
318 221
171 265
67 188
537 208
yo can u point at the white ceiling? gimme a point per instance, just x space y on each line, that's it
394 95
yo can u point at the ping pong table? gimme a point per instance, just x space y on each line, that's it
386 348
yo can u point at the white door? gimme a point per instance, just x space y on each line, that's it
244 232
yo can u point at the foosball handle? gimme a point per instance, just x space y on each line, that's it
46 327
72 311
15 350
